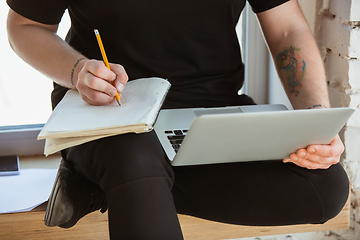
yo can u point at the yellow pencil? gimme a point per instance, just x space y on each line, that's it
97 34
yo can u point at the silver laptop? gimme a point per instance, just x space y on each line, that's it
194 136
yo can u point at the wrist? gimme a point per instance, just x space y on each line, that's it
318 106
75 71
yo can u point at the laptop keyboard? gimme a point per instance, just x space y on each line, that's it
176 137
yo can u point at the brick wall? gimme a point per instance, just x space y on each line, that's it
337 31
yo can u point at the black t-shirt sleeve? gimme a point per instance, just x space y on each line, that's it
263 5
42 11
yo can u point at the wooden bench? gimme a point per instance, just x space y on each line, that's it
30 225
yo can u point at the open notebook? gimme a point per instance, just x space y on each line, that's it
74 122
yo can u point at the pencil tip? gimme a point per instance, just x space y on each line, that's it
118 101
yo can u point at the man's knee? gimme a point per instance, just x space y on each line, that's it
120 159
334 191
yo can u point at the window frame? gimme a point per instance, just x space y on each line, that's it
21 140
255 58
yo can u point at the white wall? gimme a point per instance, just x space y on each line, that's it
340 45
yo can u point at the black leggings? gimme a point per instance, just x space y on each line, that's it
145 193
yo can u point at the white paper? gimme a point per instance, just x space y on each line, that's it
53 145
138 101
27 190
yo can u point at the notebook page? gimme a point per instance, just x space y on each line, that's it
140 99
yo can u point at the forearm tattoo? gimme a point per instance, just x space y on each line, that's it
73 70
318 106
289 61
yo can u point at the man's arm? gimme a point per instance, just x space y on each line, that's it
296 55
40 46
302 74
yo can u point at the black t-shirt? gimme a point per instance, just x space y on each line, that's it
192 43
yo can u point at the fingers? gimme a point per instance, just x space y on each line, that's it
335 148
96 83
318 156
309 161
98 69
121 76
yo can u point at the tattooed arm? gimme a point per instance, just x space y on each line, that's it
296 55
302 74
40 47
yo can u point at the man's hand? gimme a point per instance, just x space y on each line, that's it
37 44
98 85
318 156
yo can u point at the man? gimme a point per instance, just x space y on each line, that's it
193 44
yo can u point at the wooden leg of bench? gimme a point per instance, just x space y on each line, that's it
30 225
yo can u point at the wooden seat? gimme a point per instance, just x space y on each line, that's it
30 225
